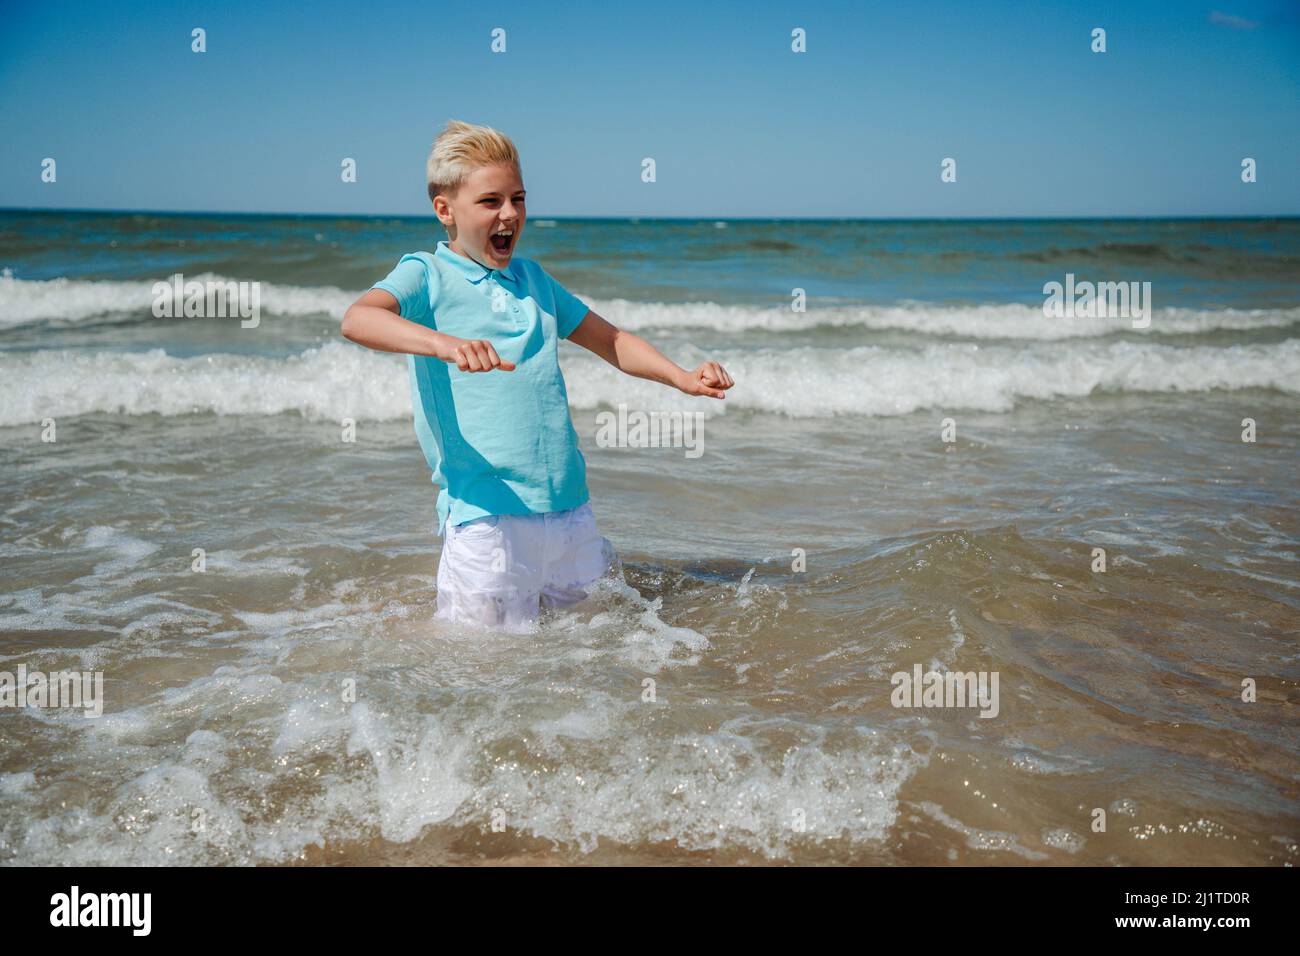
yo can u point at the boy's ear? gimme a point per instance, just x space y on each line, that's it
442 209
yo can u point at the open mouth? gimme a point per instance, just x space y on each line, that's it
502 242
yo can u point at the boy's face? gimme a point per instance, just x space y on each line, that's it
486 216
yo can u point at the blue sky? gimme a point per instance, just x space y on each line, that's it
738 125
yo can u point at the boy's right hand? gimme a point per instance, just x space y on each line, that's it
472 355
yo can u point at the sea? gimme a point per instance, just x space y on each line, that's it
925 480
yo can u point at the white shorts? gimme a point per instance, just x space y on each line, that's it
501 569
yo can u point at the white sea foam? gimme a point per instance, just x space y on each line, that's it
980 839
992 321
702 791
332 382
400 760
24 301
339 380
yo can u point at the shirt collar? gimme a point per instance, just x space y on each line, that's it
471 270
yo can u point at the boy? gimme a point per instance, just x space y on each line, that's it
480 330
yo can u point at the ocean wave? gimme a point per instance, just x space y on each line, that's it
881 382
27 301
340 380
1117 251
1014 321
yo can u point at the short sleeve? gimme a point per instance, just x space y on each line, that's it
409 283
569 309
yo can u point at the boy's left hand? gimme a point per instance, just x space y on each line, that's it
709 379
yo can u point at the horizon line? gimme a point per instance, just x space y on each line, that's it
630 218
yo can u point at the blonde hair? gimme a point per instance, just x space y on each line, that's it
459 149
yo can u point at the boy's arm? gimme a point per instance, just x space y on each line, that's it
634 355
375 321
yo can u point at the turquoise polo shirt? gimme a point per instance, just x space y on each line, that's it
499 443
